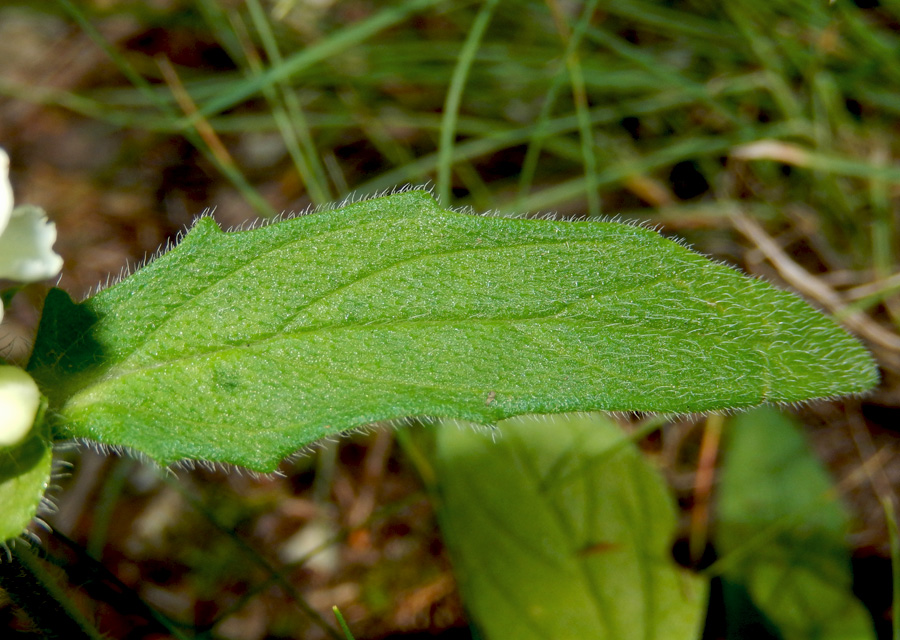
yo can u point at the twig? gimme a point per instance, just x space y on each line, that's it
212 140
813 287
703 484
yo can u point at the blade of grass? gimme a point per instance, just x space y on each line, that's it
789 153
289 115
882 229
497 135
331 46
209 142
191 133
493 139
215 16
672 22
580 98
377 127
249 552
539 135
579 92
480 195
765 52
551 197
342 622
454 98
501 139
666 74
125 67
286 113
869 43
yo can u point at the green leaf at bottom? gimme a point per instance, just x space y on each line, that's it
24 477
782 533
560 529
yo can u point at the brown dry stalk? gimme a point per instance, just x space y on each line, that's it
813 287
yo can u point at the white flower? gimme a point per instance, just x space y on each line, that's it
19 400
26 254
26 237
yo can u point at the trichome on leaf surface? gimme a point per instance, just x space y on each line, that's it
242 347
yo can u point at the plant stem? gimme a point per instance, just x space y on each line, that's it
31 587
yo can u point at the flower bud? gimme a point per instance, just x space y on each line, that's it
19 401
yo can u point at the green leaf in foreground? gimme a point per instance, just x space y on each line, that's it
782 534
242 347
24 477
561 529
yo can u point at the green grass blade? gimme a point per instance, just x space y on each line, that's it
289 115
330 46
579 96
454 98
166 107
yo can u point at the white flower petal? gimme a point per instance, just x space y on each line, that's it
26 247
19 400
6 193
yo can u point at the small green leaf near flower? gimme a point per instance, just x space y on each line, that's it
24 477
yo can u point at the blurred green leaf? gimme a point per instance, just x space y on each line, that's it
782 533
561 529
243 347
24 477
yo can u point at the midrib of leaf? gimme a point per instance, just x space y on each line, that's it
360 279
118 373
356 279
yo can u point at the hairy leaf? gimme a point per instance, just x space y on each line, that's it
241 347
560 529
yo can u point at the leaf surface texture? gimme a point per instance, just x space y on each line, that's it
242 347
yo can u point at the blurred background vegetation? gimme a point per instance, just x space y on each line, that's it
766 134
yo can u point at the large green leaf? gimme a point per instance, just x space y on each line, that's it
560 529
241 347
782 533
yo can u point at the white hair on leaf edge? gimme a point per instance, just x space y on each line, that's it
351 199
